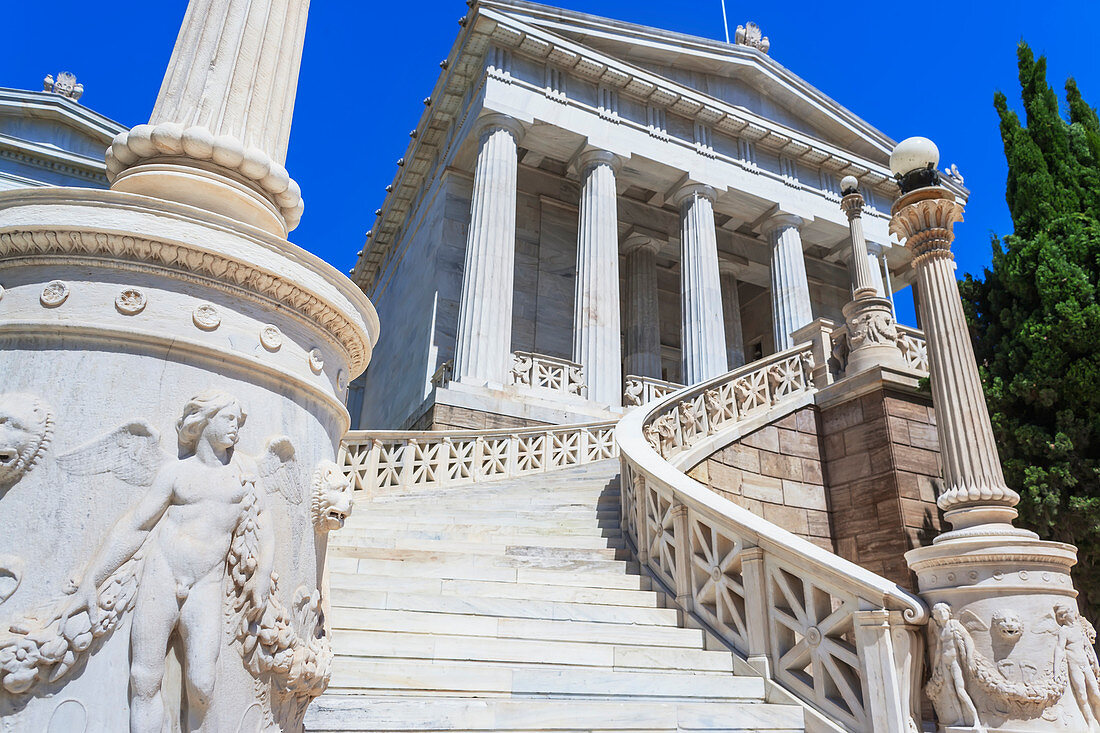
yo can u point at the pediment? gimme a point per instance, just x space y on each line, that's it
732 74
49 122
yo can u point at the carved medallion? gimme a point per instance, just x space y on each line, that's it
316 361
206 317
130 302
54 294
271 337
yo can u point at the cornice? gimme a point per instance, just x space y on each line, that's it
260 266
50 158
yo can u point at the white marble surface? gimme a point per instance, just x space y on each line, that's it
790 290
702 333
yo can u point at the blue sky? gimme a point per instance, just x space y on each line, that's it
909 68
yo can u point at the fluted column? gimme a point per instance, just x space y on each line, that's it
643 325
875 261
225 106
975 491
597 343
872 333
484 340
702 335
731 314
790 289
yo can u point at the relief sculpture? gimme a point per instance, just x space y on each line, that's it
26 429
197 545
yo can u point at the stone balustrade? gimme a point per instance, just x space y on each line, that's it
914 349
641 390
379 461
548 372
842 639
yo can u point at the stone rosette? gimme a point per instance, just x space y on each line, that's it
144 143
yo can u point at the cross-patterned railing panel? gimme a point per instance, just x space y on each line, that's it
638 391
548 372
819 625
913 347
388 461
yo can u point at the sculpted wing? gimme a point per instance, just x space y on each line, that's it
279 471
971 621
131 452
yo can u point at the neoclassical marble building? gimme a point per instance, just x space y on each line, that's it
47 138
585 200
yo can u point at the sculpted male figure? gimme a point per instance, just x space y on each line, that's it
950 652
1075 640
181 530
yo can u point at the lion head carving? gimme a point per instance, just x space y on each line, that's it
1007 625
332 497
26 428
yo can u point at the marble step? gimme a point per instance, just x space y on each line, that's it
467 569
502 607
371 515
390 537
445 647
360 714
590 632
343 583
340 542
467 524
357 675
551 559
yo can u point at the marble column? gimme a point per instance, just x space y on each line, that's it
174 382
597 342
702 335
225 104
790 289
997 590
731 314
484 341
875 264
643 324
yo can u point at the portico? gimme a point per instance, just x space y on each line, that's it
580 217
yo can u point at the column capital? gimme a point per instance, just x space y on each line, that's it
497 121
694 189
782 220
594 157
635 240
729 267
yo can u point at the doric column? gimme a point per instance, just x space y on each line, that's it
790 289
224 107
872 333
597 344
731 314
702 335
484 340
643 325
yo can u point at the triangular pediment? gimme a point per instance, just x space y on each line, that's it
48 122
732 74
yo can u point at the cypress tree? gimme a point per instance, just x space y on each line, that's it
1035 319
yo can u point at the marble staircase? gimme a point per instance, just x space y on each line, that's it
515 606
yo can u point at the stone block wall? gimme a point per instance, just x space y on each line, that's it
776 473
883 467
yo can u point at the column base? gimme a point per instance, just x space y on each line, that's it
1004 614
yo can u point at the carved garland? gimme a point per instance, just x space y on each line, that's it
203 264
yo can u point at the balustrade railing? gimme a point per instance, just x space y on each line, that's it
379 461
841 638
913 348
640 390
548 372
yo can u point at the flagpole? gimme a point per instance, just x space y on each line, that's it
725 21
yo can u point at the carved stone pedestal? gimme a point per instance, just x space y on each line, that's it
872 334
171 404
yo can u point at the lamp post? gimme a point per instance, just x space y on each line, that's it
872 333
1004 617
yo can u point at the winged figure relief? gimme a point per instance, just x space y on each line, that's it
200 517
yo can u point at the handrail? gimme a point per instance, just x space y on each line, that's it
639 390
839 637
381 460
540 371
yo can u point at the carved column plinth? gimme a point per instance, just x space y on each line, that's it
596 340
643 326
483 348
172 402
1007 650
872 333
702 334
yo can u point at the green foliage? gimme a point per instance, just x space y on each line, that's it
1035 319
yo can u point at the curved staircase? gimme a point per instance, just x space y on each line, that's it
514 605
